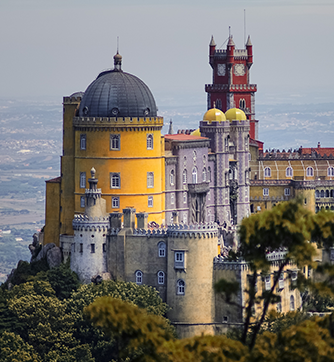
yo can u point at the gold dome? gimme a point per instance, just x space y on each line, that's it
214 115
235 114
196 133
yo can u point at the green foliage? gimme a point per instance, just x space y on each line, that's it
25 271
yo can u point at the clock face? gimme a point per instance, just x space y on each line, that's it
221 69
239 69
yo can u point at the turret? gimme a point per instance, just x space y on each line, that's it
212 47
230 50
249 48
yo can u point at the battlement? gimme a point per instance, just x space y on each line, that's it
222 263
84 222
276 255
93 193
230 87
72 99
118 121
299 154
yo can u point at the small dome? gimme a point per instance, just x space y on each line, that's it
235 114
214 115
196 133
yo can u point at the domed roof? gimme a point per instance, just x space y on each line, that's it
214 114
115 93
197 133
235 114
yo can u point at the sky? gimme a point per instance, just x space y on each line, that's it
54 48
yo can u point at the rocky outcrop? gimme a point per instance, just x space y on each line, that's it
51 252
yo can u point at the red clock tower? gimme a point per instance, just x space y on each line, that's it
230 84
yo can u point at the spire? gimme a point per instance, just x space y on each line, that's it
230 40
249 43
212 42
170 131
118 61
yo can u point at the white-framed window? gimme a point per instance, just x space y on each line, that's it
249 156
82 141
309 172
330 171
150 201
149 141
172 198
179 259
150 180
281 281
115 180
172 178
180 287
185 197
194 175
184 177
267 282
286 192
115 142
265 191
139 277
162 249
115 202
288 172
204 175
294 276
161 277
292 303
82 180
82 201
209 174
194 156
267 172
185 218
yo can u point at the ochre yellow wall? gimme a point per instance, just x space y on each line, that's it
52 216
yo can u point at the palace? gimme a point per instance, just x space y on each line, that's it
132 204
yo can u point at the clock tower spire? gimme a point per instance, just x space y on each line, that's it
231 80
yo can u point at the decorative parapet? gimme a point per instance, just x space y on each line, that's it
277 255
199 187
84 222
223 264
230 87
95 194
118 121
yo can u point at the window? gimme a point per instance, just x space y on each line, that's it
161 277
204 175
82 201
82 180
194 175
249 156
162 249
242 104
185 197
327 193
184 176
92 248
281 281
81 248
180 287
289 172
322 193
171 178
286 192
219 104
115 202
179 259
209 174
82 142
139 277
267 282
226 144
149 141
279 307
184 217
267 172
330 171
317 195
309 172
115 142
265 192
115 180
150 180
172 196
292 303
150 201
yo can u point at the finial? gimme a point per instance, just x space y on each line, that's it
212 42
214 104
249 43
93 172
118 58
117 44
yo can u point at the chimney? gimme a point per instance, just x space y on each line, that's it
142 220
129 218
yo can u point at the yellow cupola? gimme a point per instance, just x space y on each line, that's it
197 133
235 114
214 115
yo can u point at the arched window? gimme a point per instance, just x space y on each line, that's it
184 176
242 104
194 175
332 193
327 193
204 175
149 141
115 182
171 177
180 287
292 303
185 197
139 277
330 171
172 198
289 172
317 209
209 174
317 195
82 180
150 179
218 104
267 172
115 142
161 277
322 193
162 249
309 172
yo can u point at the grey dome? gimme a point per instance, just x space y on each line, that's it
115 93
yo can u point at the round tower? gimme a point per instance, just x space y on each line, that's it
89 249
